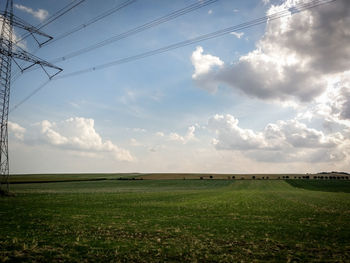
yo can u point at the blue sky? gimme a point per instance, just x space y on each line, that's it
271 98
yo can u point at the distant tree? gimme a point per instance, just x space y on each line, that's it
287 177
253 177
233 177
201 177
211 177
267 177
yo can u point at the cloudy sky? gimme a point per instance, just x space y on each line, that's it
274 98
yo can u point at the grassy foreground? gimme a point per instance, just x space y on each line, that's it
175 220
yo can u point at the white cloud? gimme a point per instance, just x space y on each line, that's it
266 2
79 134
203 63
17 130
230 136
284 141
294 58
40 14
141 130
134 142
238 35
184 139
160 134
332 107
210 12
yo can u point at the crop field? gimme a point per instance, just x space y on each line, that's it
176 220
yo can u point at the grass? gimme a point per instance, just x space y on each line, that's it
42 178
175 220
322 185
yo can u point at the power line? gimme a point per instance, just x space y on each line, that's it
51 19
138 29
82 26
30 95
93 20
296 9
55 16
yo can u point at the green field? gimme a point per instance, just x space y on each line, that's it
176 220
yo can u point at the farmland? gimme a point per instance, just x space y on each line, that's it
175 220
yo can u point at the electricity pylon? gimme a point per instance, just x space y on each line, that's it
9 52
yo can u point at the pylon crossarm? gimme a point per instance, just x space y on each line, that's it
33 60
26 56
18 65
20 23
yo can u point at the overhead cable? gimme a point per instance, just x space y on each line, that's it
138 29
291 11
54 17
296 9
93 20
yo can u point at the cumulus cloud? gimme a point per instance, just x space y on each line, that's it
160 134
183 139
40 14
17 130
141 130
203 63
332 107
337 98
295 56
284 141
135 142
79 134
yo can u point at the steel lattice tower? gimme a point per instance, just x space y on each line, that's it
8 52
5 79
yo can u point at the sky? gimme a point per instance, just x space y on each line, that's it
273 98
